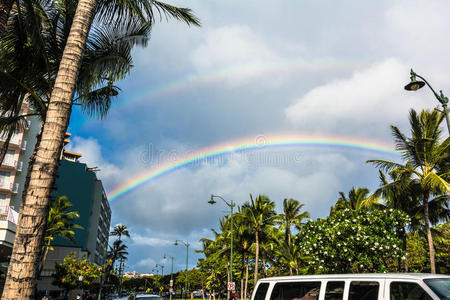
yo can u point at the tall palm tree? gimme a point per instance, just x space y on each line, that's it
258 214
25 256
118 251
120 230
357 199
291 216
425 155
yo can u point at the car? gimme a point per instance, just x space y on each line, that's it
355 286
148 297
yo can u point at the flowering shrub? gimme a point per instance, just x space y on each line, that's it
353 241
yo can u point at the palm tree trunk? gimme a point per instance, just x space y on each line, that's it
5 9
428 229
246 279
256 258
405 243
23 267
242 287
264 268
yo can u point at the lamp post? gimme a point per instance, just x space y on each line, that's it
415 84
187 256
231 205
171 277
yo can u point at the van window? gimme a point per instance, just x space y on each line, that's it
364 290
335 290
407 291
261 291
296 291
441 286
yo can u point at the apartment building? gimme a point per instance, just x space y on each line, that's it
85 191
13 172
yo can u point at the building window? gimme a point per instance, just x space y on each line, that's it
2 202
5 179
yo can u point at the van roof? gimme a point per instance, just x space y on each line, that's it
353 276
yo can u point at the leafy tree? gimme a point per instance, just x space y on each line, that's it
353 241
426 158
443 248
72 269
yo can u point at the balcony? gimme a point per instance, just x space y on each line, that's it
24 145
7 213
15 139
9 162
5 183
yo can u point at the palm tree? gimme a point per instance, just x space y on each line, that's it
258 214
425 155
357 199
120 230
29 60
291 216
118 251
23 266
60 223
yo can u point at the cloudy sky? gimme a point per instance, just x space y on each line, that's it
255 70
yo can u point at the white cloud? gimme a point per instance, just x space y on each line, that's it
146 262
236 51
150 241
92 156
364 104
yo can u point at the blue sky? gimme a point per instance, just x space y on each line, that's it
258 68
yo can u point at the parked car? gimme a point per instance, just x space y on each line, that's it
355 287
147 297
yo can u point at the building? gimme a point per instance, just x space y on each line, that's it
84 190
12 179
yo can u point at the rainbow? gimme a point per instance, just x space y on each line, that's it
227 75
252 144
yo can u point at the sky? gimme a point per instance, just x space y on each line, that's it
257 70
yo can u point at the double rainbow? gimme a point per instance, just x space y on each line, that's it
378 148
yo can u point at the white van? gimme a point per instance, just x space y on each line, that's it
399 286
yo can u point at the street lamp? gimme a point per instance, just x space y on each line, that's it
171 277
187 256
415 84
231 205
